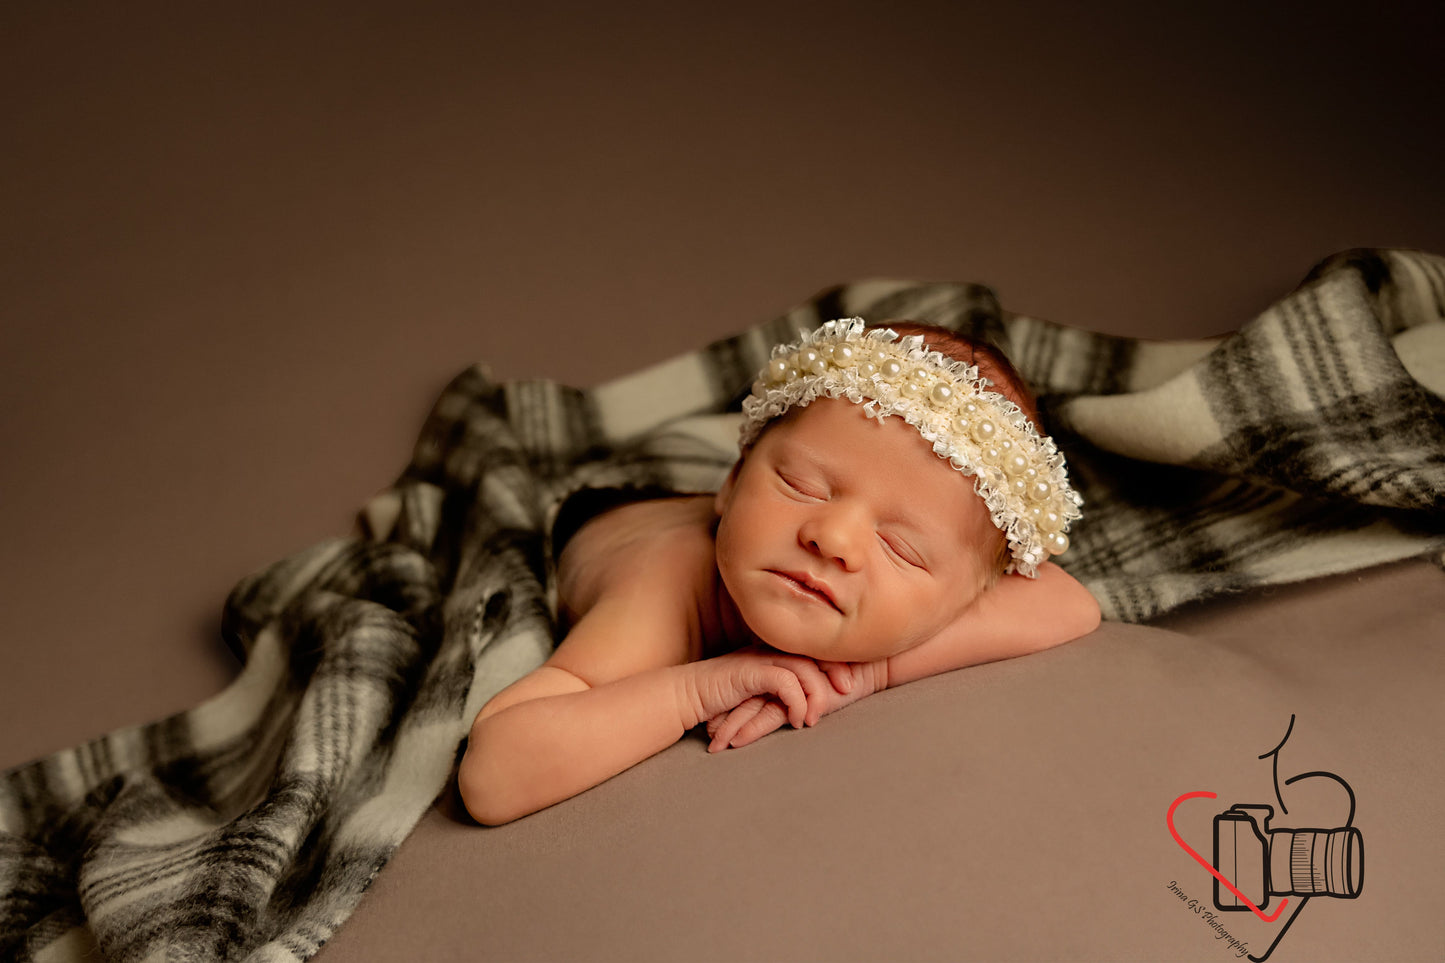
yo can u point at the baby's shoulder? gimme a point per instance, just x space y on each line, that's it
660 545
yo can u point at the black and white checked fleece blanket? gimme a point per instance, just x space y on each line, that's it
1310 442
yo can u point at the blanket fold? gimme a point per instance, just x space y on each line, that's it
1310 442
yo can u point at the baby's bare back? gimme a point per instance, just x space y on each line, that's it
659 555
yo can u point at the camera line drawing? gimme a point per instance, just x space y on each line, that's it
1254 862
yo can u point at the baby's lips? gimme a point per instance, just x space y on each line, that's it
815 585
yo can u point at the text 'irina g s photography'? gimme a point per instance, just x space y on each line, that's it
1210 918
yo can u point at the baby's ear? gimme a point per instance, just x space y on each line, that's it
724 494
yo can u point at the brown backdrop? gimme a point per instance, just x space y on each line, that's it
244 248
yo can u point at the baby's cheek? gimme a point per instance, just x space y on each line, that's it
979 576
727 568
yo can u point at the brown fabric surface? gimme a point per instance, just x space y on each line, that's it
1010 812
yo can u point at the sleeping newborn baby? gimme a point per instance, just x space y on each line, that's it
890 517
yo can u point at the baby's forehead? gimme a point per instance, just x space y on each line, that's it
890 451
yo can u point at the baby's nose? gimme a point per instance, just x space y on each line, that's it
834 536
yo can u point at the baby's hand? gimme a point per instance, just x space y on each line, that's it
759 715
713 687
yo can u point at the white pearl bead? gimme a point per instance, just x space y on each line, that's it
941 394
880 357
1050 521
1058 543
867 369
1030 473
777 369
984 430
911 389
811 361
1040 491
844 356
1019 487
892 370
1016 464
990 455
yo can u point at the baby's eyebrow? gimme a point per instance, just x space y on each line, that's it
914 520
804 458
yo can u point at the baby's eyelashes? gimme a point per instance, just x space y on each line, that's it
901 550
801 486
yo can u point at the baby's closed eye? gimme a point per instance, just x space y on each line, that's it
901 550
802 486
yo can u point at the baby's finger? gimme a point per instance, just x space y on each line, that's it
816 685
768 720
840 674
748 706
825 692
789 689
728 724
743 710
716 723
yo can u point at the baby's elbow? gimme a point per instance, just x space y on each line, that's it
485 808
1076 608
1085 612
486 792
482 798
473 790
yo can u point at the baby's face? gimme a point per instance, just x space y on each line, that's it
844 538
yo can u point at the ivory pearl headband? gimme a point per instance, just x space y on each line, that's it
1019 474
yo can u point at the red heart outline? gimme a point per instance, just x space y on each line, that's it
1205 863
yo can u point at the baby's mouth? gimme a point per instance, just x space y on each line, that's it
809 586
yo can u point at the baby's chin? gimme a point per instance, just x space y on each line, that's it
832 650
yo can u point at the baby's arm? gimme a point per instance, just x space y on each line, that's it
609 697
1015 617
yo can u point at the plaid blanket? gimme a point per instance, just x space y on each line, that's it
1309 442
